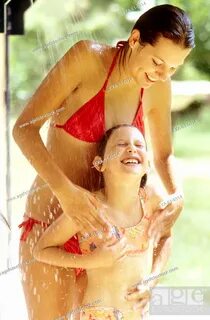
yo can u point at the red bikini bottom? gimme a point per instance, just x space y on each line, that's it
71 246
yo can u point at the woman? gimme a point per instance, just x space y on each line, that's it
113 266
160 41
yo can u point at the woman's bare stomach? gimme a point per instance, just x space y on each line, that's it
109 286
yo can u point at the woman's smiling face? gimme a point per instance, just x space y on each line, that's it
149 64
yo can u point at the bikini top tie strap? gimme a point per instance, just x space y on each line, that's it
119 45
110 70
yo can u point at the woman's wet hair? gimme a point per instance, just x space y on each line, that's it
103 143
164 20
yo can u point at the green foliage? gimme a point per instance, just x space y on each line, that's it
196 137
102 21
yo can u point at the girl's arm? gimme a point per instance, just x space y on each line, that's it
47 248
60 231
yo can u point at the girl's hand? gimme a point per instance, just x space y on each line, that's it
110 252
140 294
84 208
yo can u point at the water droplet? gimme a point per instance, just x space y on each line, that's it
24 276
34 199
50 215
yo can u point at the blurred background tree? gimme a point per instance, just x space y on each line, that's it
104 21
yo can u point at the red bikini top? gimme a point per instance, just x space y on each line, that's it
88 122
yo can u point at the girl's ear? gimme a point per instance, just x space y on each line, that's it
98 163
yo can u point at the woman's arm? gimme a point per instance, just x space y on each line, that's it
160 258
54 89
157 101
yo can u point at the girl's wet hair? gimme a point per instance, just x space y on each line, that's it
164 20
103 143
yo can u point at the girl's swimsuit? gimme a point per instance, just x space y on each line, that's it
138 243
96 313
137 238
88 124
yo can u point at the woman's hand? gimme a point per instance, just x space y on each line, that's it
140 295
84 208
163 220
110 252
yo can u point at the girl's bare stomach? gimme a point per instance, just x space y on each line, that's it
109 286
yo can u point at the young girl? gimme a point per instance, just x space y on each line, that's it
122 256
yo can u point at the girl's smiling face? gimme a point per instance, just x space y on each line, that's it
125 153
